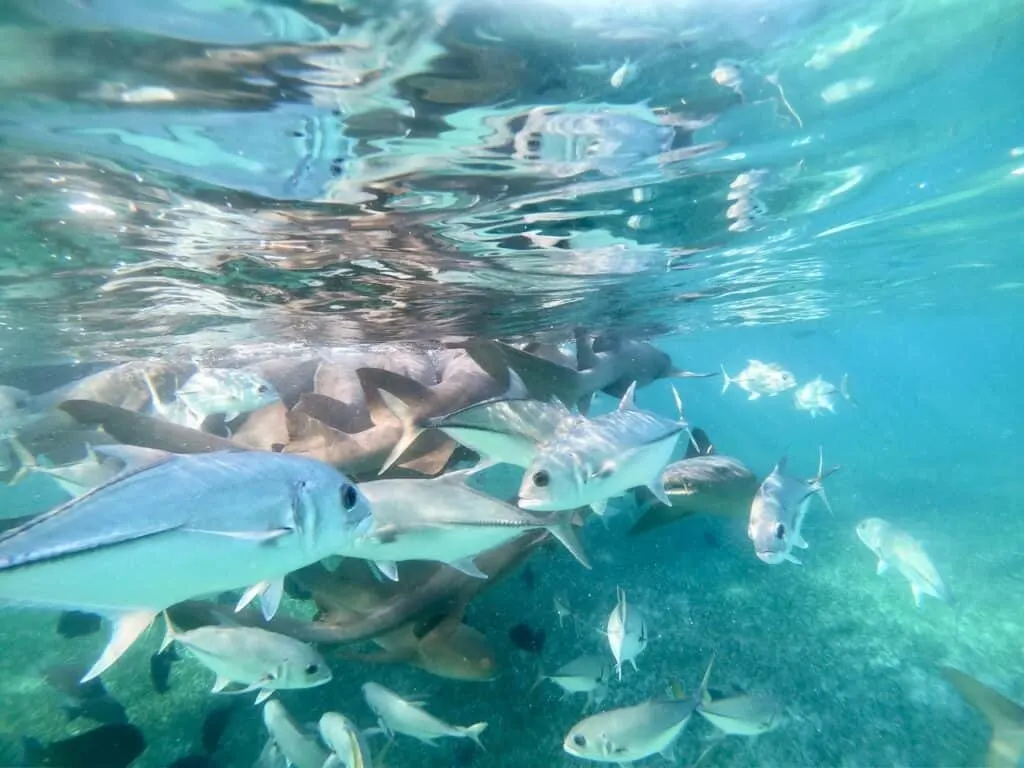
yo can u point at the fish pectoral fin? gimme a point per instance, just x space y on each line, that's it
386 568
799 541
220 684
127 628
468 567
657 487
793 559
271 535
270 599
882 567
567 537
602 471
264 694
754 396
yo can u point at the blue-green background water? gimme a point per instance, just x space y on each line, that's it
888 249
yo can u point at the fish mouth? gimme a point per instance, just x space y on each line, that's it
772 558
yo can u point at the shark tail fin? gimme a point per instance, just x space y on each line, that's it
1006 747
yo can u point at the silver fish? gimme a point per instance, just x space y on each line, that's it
348 746
225 391
744 715
446 520
300 748
760 378
398 715
819 395
595 459
504 431
897 548
587 674
259 660
778 510
633 733
627 632
131 548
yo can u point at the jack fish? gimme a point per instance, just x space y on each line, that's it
176 527
897 548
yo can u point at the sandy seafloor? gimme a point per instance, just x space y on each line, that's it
853 661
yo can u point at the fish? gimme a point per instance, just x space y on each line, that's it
701 483
445 519
562 610
271 756
609 363
114 745
524 637
1006 718
760 378
632 733
503 431
89 699
75 478
818 395
224 391
587 674
78 624
398 715
623 74
131 548
347 744
255 658
126 386
897 548
778 510
627 633
299 747
743 715
596 459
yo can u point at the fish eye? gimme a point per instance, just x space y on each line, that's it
263 389
579 740
541 478
349 496
780 531
312 669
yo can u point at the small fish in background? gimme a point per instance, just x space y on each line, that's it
346 742
255 658
299 746
778 511
729 74
398 715
78 624
227 392
733 74
819 395
526 638
89 700
587 674
623 74
624 735
1005 716
160 664
115 745
563 611
741 715
627 633
897 548
760 378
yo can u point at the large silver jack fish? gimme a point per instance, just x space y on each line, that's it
174 527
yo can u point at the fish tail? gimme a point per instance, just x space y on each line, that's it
473 732
25 458
844 390
726 379
702 692
816 483
1006 747
541 677
171 634
410 428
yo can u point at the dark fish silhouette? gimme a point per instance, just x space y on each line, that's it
89 699
527 639
214 725
193 761
77 624
109 746
160 669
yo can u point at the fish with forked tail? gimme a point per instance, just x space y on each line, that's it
897 548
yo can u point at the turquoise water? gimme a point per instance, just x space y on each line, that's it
229 182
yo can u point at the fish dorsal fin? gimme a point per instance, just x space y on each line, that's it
780 466
490 360
417 397
542 378
628 401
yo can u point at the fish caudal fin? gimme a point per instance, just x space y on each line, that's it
410 429
726 380
25 457
816 483
1006 746
127 628
473 732
269 592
